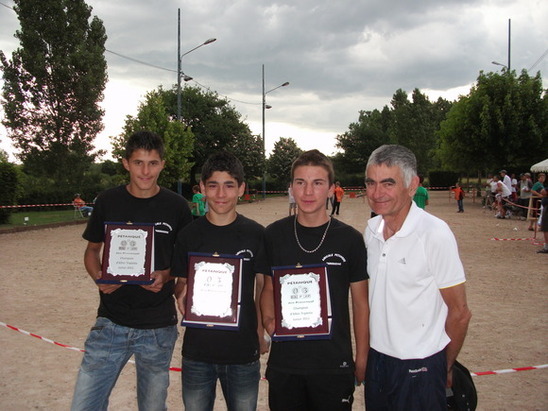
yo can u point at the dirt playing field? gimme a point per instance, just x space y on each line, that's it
46 291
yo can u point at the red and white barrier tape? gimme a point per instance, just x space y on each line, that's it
39 205
11 327
178 369
509 370
512 239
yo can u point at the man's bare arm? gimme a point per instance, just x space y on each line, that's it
456 324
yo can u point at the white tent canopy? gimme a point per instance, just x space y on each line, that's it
540 167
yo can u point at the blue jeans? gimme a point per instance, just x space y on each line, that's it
240 384
108 348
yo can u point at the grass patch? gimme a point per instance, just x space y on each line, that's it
28 217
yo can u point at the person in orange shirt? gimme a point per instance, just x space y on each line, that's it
79 203
459 196
337 198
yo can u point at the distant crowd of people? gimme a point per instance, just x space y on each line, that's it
524 199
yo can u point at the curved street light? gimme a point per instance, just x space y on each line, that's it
496 63
179 58
265 107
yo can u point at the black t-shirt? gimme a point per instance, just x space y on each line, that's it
243 237
132 305
343 250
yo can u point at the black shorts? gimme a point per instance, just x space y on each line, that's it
394 384
310 392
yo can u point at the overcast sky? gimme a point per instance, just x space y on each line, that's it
340 56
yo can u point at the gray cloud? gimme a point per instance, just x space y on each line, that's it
339 56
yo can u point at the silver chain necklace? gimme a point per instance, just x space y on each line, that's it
321 241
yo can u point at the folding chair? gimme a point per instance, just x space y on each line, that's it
78 211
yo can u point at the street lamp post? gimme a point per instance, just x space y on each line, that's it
507 66
264 107
180 74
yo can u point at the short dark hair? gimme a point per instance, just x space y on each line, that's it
314 158
223 161
146 140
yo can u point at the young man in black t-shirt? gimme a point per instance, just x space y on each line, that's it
211 354
318 374
139 320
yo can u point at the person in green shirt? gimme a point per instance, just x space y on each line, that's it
198 202
421 195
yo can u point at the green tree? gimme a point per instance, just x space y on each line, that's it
414 124
9 189
4 157
249 150
152 115
216 124
501 123
280 161
52 87
362 137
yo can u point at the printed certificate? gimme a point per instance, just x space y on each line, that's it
213 291
128 254
302 303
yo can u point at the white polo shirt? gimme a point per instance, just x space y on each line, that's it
406 272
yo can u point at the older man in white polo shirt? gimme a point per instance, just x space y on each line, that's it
419 315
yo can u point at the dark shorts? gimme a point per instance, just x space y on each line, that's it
311 392
394 384
544 219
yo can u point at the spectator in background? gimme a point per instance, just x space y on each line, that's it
506 180
525 186
503 194
80 204
536 193
490 191
421 195
198 202
338 195
514 182
459 196
292 203
544 219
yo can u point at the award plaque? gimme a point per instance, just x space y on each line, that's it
302 304
128 254
214 290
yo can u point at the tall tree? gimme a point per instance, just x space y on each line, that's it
52 87
152 114
501 123
280 161
249 149
362 137
414 125
216 124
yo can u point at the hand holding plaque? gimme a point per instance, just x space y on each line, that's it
302 303
128 254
